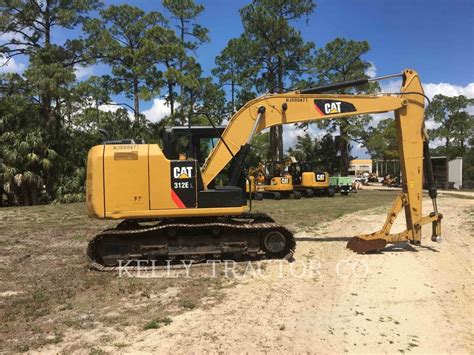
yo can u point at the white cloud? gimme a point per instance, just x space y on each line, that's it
390 86
109 107
371 71
113 108
291 134
159 110
9 36
6 37
11 66
376 118
432 89
449 90
83 72
430 124
436 142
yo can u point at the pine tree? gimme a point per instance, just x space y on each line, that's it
30 25
341 60
123 37
270 53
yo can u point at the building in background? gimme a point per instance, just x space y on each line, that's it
446 174
360 166
387 167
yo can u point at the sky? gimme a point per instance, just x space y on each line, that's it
434 37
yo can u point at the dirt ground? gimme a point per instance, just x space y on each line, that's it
403 299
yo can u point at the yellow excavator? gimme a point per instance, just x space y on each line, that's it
173 211
278 183
308 182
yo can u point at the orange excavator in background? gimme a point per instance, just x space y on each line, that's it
173 210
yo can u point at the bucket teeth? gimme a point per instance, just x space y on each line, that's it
362 246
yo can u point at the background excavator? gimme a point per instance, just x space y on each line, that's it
278 183
173 210
307 181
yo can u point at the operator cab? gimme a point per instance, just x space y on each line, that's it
194 143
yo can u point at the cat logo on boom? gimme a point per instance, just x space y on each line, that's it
332 107
182 172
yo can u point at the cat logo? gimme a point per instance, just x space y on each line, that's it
182 172
332 107
321 177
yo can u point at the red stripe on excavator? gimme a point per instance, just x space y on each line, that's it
177 201
317 109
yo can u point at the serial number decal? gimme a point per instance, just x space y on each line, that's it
297 99
125 147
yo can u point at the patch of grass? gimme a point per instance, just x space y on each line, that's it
66 306
187 304
311 212
58 337
23 348
157 323
54 339
97 351
80 237
121 345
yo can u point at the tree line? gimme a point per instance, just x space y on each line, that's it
49 119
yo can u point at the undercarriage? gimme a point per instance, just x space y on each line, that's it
161 241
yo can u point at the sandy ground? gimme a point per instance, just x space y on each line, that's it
332 300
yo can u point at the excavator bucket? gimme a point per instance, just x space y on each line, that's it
362 246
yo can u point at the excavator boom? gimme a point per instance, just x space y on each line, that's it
280 109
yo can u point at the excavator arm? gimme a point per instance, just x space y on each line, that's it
310 105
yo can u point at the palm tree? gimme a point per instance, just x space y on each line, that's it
25 166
